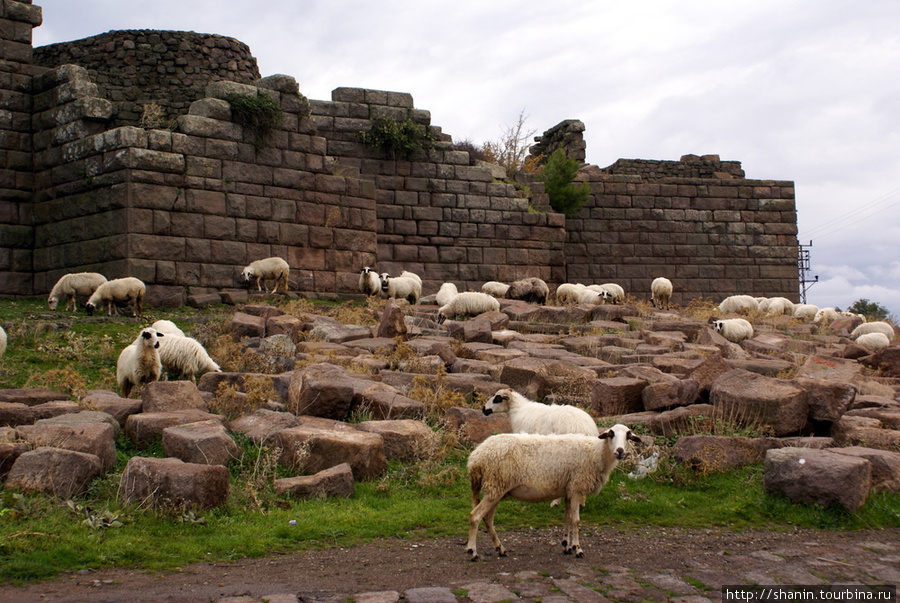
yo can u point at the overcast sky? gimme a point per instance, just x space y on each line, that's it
801 90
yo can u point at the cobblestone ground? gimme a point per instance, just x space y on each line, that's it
683 566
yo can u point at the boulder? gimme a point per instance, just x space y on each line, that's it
535 378
284 324
315 445
617 395
55 471
145 428
173 483
334 481
827 400
320 390
885 466
830 368
204 442
168 396
9 452
864 431
752 400
384 402
885 361
670 393
244 325
473 427
98 439
392 323
16 413
31 396
112 404
474 330
686 420
818 477
404 440
261 425
48 410
710 453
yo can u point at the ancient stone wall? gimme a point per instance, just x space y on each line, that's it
568 135
153 76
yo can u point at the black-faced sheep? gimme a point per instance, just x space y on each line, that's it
734 330
401 287
468 303
737 304
878 326
873 341
369 282
185 356
118 290
527 416
70 285
495 289
265 270
445 294
661 292
610 292
540 468
532 290
139 362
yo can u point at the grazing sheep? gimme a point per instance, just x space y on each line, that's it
539 468
826 315
185 356
401 287
128 289
446 293
734 330
167 327
2 342
873 341
661 292
569 293
468 303
527 416
805 311
776 306
369 283
139 362
610 292
495 289
738 304
268 269
70 285
532 290
878 326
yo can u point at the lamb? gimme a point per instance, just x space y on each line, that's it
538 468
527 416
446 293
185 356
878 326
401 287
661 292
262 271
738 304
532 290
495 289
805 311
70 285
128 289
468 303
168 327
2 342
369 283
873 341
734 330
139 362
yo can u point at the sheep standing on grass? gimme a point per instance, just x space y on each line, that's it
139 362
265 270
401 287
527 416
532 290
185 356
878 326
540 468
734 330
70 285
495 289
446 293
661 292
369 283
118 290
468 303
2 342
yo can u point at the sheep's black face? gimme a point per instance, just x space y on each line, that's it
89 308
441 318
717 325
495 400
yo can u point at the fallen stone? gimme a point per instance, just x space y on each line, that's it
311 447
203 442
98 439
404 440
334 481
55 471
473 427
818 477
885 466
169 396
710 453
172 482
755 401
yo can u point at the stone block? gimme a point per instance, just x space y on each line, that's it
320 390
168 396
97 439
752 400
818 477
334 481
472 426
405 440
203 442
145 428
173 483
55 471
312 447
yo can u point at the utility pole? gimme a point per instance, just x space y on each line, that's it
803 269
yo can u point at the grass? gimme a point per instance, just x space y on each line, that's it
41 537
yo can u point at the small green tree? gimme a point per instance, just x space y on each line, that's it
558 177
871 310
398 139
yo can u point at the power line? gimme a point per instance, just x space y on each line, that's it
841 222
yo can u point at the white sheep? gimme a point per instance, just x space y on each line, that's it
139 362
412 275
776 306
2 342
661 292
826 315
70 285
734 330
185 356
268 269
610 292
128 289
369 283
539 468
167 327
873 341
878 326
495 289
737 304
468 303
527 416
805 311
532 290
446 293
569 293
401 287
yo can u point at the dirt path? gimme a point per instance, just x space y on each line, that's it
643 565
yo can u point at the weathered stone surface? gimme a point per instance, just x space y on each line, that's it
818 477
709 453
334 481
617 395
284 324
172 482
16 413
245 325
388 403
474 330
405 440
261 425
885 466
55 471
392 323
112 404
145 428
81 417
669 394
887 361
320 390
48 410
472 426
9 452
94 438
316 445
831 369
31 396
864 431
685 420
535 378
203 442
169 396
828 400
752 400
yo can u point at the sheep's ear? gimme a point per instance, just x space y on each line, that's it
606 434
145 334
634 438
158 334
